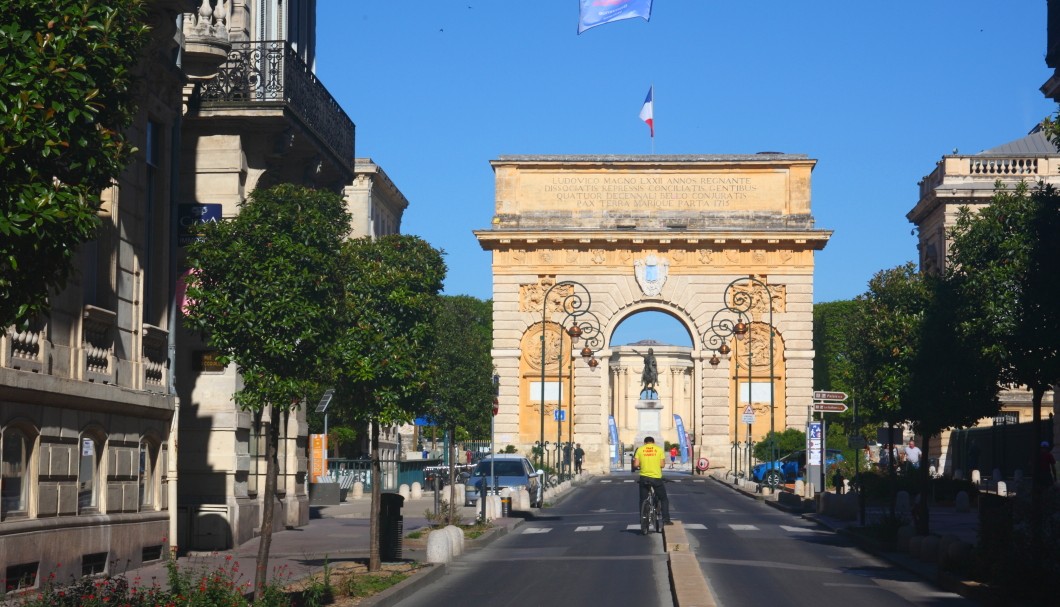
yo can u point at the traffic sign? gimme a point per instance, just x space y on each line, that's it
748 416
829 396
829 407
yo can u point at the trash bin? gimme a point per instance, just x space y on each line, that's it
391 526
506 507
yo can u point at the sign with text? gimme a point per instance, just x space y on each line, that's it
823 395
814 438
1007 417
829 407
748 416
318 462
191 218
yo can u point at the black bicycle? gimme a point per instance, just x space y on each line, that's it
650 511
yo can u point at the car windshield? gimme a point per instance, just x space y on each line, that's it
500 468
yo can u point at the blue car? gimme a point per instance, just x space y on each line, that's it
789 468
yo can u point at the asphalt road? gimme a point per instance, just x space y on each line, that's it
587 550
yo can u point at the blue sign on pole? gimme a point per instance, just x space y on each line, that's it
559 415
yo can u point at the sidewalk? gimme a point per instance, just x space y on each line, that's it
334 534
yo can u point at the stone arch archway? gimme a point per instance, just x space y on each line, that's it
661 233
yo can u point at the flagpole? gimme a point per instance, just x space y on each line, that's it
653 118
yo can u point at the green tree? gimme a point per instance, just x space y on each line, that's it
383 350
463 365
951 385
265 290
788 441
1007 257
886 339
66 98
833 365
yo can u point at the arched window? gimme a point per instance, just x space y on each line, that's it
14 472
88 474
148 474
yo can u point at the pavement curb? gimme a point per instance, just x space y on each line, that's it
402 590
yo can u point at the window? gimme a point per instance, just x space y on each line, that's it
94 564
20 577
88 475
14 473
148 466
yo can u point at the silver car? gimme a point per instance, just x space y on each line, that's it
509 471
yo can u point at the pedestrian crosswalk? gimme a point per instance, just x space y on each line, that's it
732 527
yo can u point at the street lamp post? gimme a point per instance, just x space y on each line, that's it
743 303
573 299
734 320
586 326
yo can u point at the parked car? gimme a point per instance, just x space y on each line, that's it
790 467
511 472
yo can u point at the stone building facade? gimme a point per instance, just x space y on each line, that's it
681 235
259 118
87 416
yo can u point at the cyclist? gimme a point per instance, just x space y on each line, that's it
649 458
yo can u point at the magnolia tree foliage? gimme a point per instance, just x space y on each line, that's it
464 393
266 292
1006 259
886 340
66 97
386 337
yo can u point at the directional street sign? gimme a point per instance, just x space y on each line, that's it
829 396
829 407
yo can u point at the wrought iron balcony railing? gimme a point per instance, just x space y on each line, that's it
270 72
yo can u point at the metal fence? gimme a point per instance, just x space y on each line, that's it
1005 447
393 473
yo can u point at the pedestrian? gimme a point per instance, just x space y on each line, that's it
566 456
837 481
912 454
579 456
1045 470
673 456
885 457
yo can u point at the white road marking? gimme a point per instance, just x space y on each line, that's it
743 527
695 526
589 528
537 530
801 529
606 480
628 527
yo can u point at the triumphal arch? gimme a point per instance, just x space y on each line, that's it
711 240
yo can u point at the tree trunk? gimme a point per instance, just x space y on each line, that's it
374 559
272 469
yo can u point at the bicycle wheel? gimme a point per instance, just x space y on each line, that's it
657 515
645 515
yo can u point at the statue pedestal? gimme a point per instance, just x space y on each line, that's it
648 417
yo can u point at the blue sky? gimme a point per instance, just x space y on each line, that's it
876 92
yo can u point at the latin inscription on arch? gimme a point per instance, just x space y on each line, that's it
700 192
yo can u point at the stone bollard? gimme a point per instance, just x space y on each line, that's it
905 533
493 507
977 477
439 547
1002 488
929 549
962 502
403 491
767 490
456 538
800 487
416 491
915 544
944 558
958 474
995 477
902 506
458 493
358 490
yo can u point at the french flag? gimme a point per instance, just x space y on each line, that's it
647 113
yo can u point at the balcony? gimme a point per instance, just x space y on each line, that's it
270 74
